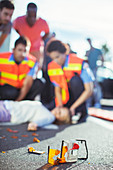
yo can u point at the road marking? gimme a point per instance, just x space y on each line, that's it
101 122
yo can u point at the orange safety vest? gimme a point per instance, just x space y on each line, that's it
61 77
12 73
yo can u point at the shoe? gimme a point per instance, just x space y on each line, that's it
82 118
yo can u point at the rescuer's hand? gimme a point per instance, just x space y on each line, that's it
72 109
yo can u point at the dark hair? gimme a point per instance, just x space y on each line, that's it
20 40
31 5
88 39
56 46
6 4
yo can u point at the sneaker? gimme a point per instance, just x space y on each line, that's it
82 119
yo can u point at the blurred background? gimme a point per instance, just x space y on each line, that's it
73 21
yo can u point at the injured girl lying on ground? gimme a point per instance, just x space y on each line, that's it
33 112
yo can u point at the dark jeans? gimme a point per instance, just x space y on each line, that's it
76 87
8 92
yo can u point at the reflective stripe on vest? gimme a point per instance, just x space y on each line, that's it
30 63
65 97
73 67
6 61
54 72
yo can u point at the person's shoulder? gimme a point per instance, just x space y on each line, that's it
98 51
19 23
41 20
20 18
5 55
53 65
75 57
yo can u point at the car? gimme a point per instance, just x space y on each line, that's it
105 79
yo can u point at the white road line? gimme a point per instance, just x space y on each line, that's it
101 122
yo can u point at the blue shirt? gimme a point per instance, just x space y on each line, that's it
86 74
93 56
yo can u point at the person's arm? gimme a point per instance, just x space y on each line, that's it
58 95
101 57
25 88
2 38
88 89
6 30
45 29
45 36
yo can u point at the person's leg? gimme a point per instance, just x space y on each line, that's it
97 95
97 91
37 88
4 113
8 92
76 89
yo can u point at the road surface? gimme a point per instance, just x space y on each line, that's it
98 134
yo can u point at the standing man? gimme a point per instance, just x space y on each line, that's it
32 27
16 74
71 78
6 12
94 54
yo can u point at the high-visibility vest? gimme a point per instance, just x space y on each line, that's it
12 73
61 76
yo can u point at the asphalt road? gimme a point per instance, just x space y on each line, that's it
98 134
